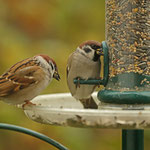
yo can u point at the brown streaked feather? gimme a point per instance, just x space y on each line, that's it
20 65
7 88
19 80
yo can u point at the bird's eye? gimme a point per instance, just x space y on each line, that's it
87 50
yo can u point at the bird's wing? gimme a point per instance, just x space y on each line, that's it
70 74
69 64
13 82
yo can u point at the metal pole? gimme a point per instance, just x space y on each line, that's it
32 133
132 139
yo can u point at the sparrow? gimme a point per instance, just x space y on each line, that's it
27 78
84 63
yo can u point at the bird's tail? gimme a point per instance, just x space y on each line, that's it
89 103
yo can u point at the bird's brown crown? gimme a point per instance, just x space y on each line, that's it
90 42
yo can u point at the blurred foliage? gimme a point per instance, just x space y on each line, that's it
55 28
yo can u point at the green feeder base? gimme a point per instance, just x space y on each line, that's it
127 88
126 97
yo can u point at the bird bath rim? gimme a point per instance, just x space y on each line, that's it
63 110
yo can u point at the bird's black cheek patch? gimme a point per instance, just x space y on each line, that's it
96 57
51 66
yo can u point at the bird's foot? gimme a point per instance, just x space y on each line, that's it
27 103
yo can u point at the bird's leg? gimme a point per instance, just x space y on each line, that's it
89 103
98 86
27 102
78 83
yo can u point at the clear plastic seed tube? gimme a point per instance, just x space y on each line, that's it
128 36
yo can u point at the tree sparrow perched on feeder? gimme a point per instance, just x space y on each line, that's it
84 63
27 78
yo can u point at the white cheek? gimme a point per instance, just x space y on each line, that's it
91 54
42 61
53 72
47 68
50 73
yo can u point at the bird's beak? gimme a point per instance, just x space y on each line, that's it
56 75
99 51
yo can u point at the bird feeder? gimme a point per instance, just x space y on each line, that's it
128 39
125 98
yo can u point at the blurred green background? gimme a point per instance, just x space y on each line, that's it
56 28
